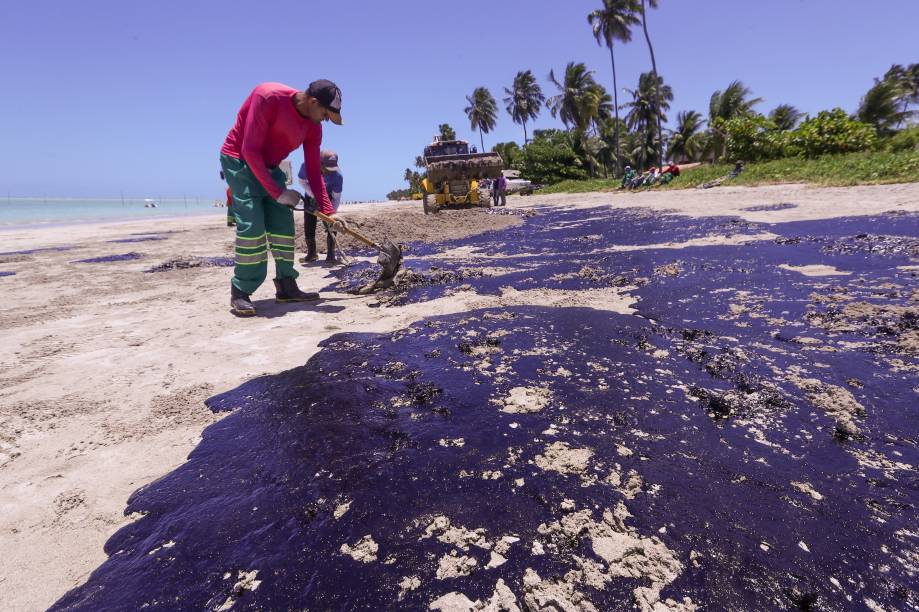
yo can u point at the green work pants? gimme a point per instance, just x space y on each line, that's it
262 224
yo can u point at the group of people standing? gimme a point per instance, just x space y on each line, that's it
274 120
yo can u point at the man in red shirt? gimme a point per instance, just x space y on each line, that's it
274 120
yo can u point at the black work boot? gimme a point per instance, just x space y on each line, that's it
286 290
240 303
311 254
330 248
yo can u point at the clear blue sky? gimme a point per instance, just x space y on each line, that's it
105 96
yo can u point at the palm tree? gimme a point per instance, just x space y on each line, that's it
644 25
482 112
879 107
685 142
524 99
649 101
611 23
580 101
786 116
446 132
734 101
907 80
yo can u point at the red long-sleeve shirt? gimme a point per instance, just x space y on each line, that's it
268 127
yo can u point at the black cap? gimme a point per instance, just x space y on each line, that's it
329 95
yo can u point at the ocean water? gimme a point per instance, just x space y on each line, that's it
51 211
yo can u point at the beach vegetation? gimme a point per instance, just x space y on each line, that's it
785 117
524 99
658 99
904 140
446 132
550 157
885 106
687 141
482 112
840 170
613 23
649 102
510 152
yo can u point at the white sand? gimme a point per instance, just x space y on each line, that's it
104 369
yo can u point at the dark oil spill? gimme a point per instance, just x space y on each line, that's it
715 408
57 249
110 258
145 238
186 263
768 207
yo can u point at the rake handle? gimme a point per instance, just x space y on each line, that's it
353 233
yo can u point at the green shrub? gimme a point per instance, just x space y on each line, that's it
550 158
751 138
830 132
904 140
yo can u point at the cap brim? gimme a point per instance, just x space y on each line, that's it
335 117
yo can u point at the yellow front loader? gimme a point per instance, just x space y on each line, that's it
454 175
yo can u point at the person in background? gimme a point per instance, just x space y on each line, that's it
499 191
334 184
627 178
273 121
670 172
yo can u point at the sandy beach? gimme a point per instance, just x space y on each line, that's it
106 367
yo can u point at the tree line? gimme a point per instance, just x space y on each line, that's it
598 142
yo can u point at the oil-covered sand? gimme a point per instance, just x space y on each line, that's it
621 408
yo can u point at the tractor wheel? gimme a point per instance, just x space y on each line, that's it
429 203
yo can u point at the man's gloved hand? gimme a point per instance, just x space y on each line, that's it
290 198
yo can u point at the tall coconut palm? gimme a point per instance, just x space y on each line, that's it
786 116
524 100
649 101
482 112
685 144
611 23
734 101
644 26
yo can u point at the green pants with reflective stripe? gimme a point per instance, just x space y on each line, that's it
262 225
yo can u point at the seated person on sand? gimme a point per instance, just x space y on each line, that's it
670 172
638 180
627 178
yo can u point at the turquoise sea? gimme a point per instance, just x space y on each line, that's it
54 211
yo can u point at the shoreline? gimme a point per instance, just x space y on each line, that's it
166 216
107 368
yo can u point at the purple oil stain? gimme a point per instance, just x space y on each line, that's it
39 250
769 207
705 416
193 262
110 258
7 273
139 239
